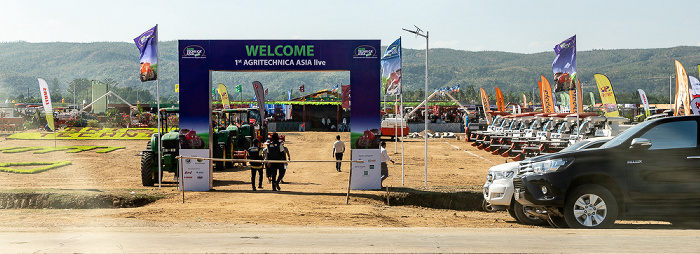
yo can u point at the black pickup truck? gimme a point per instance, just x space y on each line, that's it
650 171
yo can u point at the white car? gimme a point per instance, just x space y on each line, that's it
498 189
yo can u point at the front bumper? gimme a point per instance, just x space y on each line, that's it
547 190
499 193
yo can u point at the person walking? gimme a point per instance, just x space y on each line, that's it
255 153
286 157
338 150
275 151
385 157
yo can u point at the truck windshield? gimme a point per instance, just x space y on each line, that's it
617 140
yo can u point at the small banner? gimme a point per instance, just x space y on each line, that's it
46 99
147 43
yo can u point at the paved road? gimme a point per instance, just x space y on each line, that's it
324 239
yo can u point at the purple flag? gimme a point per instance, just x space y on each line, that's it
147 43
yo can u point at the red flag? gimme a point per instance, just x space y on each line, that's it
301 88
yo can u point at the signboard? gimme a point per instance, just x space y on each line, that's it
195 174
367 175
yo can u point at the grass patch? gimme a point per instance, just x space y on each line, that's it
6 167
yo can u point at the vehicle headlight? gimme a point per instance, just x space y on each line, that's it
547 166
503 174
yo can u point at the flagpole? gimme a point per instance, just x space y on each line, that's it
160 135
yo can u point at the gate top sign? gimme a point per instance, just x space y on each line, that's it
198 58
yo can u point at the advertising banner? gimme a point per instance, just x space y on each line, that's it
260 96
366 175
694 87
564 65
607 96
46 101
195 174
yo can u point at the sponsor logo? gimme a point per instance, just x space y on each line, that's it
188 161
200 177
365 51
193 51
188 172
188 177
605 89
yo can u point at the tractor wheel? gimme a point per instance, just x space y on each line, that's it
148 175
219 154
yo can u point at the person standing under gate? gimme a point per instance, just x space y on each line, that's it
385 157
338 150
275 151
255 153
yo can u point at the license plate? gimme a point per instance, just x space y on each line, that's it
517 194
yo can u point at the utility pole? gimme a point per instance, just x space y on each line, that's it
418 32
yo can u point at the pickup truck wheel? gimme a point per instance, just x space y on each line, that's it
486 206
511 211
590 206
524 218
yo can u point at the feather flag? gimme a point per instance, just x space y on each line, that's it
607 96
682 107
221 88
46 100
260 97
645 102
500 101
547 97
147 43
301 88
485 104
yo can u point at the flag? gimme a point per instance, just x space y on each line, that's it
46 99
147 43
645 102
391 68
301 88
500 101
485 104
260 97
592 98
607 96
239 88
576 98
224 96
177 88
265 91
564 65
335 88
682 107
547 97
346 96
289 95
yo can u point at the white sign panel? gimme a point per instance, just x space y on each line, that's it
195 174
366 175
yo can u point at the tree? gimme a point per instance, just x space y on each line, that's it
80 89
55 90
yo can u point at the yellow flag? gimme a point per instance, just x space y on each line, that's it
606 95
177 88
224 96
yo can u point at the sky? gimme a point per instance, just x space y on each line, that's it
519 26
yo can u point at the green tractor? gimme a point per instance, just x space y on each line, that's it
234 132
173 139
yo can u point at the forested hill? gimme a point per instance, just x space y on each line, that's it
62 64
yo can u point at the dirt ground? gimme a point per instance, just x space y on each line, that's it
314 195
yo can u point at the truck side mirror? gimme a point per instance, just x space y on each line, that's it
640 144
